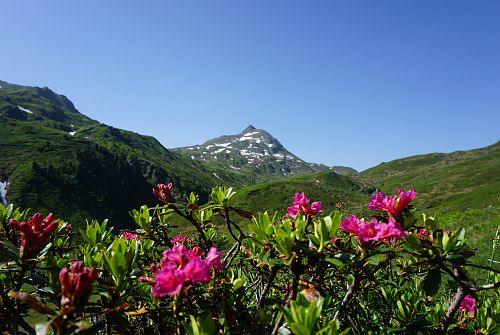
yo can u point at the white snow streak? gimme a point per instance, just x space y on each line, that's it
24 110
3 192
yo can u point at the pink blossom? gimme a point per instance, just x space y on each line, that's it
469 304
382 202
390 230
392 204
351 225
368 231
405 197
181 267
168 281
301 204
130 236
372 231
178 239
422 233
198 271
178 254
213 258
164 193
316 207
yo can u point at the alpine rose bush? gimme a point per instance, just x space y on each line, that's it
211 268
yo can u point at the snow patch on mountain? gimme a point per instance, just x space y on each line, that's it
254 151
24 110
3 192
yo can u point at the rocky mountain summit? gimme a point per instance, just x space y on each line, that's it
253 151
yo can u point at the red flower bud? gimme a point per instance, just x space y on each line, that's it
35 233
164 193
76 287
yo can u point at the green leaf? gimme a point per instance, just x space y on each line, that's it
335 261
238 283
376 259
413 242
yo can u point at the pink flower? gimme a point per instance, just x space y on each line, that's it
469 304
164 193
213 258
301 204
390 230
372 231
382 202
130 236
178 239
316 207
368 231
422 233
351 225
181 267
178 254
393 205
198 271
168 281
404 199
76 286
35 233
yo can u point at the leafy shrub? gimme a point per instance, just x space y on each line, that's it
303 272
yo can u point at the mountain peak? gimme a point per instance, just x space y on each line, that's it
248 128
253 152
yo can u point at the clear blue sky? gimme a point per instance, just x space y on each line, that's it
349 83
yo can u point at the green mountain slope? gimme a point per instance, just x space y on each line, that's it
333 190
445 182
463 187
55 158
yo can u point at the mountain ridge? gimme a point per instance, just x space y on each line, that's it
252 151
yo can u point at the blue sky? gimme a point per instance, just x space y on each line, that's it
349 83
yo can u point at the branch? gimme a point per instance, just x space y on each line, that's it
347 298
450 315
485 287
266 288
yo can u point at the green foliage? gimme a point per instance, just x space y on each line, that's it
303 275
302 315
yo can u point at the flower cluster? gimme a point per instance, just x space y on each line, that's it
181 267
393 205
178 239
301 205
35 233
76 286
468 304
164 193
131 236
372 231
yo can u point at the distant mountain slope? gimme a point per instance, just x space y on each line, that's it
334 190
55 158
445 182
254 154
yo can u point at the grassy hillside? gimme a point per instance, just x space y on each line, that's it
463 187
334 190
446 183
